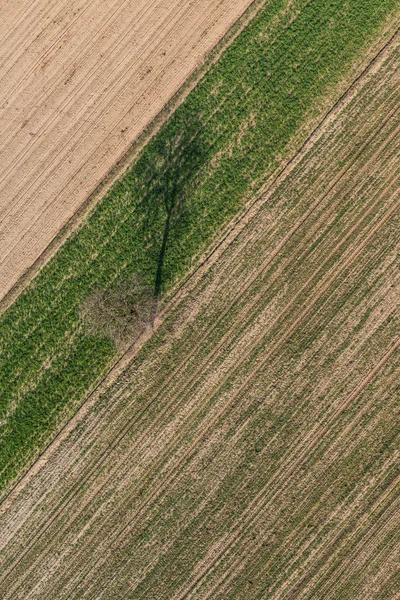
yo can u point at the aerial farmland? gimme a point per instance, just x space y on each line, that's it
200 336
80 82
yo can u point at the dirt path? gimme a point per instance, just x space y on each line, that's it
79 81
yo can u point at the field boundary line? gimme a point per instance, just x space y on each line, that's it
225 242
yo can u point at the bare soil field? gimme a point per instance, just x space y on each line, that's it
79 81
250 449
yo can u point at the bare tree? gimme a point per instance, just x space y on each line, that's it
120 313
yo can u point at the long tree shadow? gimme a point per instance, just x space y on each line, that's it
168 179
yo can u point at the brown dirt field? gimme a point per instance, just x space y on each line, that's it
79 82
251 449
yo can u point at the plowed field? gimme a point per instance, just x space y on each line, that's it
79 81
251 448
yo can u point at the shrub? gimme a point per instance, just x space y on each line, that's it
120 312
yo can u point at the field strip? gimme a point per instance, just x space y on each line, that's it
121 362
355 252
241 429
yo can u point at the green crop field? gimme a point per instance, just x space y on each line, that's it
229 135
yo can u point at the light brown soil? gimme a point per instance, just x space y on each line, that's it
79 81
254 449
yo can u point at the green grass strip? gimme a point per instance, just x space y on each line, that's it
189 180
